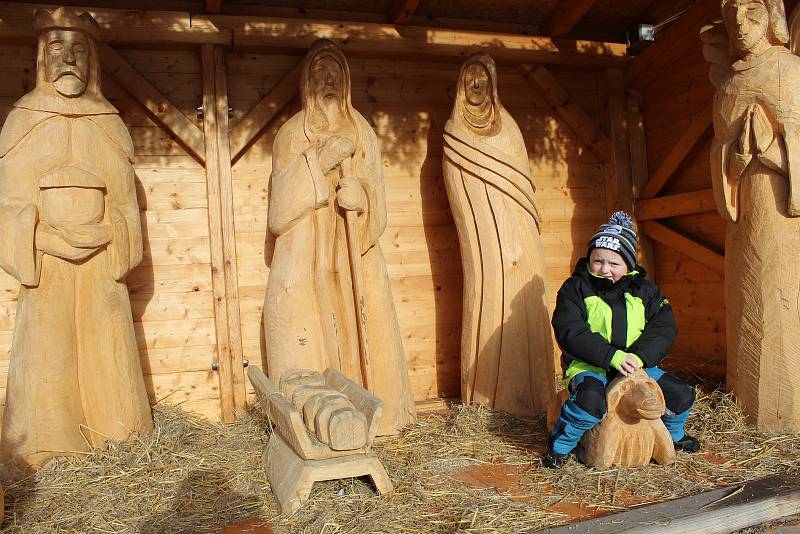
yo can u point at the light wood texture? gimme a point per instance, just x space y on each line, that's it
755 161
675 205
752 504
565 15
632 432
619 193
221 231
685 245
401 11
159 108
506 343
73 234
249 128
338 449
568 110
698 129
309 195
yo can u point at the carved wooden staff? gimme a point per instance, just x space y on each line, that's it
354 249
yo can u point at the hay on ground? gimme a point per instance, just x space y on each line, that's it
192 475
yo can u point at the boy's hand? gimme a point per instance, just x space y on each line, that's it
628 365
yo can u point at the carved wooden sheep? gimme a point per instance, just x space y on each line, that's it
632 431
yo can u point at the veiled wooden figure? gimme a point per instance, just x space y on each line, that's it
327 211
755 163
631 433
506 344
70 222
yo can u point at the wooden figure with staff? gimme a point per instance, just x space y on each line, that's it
328 301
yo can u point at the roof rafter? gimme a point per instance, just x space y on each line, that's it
565 15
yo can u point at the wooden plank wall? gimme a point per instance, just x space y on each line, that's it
679 96
408 104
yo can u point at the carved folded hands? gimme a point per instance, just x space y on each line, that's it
337 151
758 138
72 243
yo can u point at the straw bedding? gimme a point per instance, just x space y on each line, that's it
465 468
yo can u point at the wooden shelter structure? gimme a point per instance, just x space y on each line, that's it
204 86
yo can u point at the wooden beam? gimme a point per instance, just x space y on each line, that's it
685 245
249 128
621 186
684 32
571 113
698 129
158 108
219 185
213 6
157 29
712 512
401 11
285 35
565 15
676 205
637 141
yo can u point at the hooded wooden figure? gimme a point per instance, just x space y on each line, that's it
326 161
70 222
755 164
506 344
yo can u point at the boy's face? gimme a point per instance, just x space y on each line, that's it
607 263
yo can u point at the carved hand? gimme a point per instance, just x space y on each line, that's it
86 235
335 149
350 195
50 241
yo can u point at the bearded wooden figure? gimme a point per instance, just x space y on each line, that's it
755 164
328 301
70 219
506 345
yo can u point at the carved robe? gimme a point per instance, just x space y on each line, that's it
506 346
309 311
75 375
755 165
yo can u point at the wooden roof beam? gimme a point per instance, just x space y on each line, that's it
401 11
565 15
571 113
685 245
676 205
361 39
157 106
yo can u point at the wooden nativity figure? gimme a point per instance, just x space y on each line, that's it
755 168
328 300
70 222
506 345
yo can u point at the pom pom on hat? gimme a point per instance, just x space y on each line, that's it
617 235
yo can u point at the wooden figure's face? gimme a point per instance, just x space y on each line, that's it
476 83
747 22
67 61
327 78
641 398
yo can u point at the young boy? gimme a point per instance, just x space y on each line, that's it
608 320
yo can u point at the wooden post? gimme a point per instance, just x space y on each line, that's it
637 144
221 232
620 151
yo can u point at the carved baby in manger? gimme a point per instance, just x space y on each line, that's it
70 221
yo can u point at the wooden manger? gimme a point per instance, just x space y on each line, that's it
324 433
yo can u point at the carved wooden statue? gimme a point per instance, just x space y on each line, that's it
506 344
755 165
632 431
328 301
71 233
324 429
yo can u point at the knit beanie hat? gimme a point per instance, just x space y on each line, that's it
617 235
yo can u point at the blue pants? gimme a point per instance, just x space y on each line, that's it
586 407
